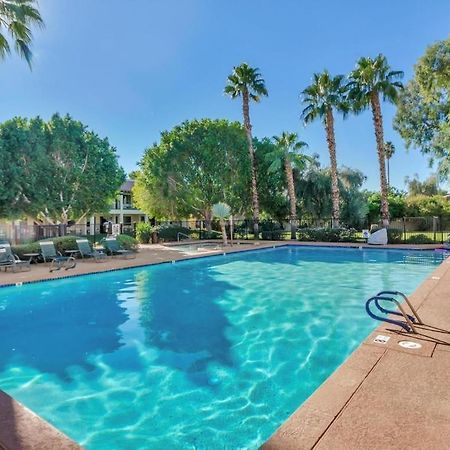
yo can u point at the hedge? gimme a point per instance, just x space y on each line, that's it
327 234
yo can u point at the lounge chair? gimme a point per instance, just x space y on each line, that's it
87 252
56 259
8 259
114 249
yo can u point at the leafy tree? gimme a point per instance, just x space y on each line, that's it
58 170
246 82
371 78
397 204
194 166
314 189
324 95
16 18
423 113
389 151
354 207
272 185
428 187
23 167
287 155
425 205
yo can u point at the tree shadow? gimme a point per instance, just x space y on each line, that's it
181 316
51 327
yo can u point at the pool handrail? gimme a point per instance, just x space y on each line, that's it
409 326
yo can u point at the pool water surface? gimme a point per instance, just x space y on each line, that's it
210 353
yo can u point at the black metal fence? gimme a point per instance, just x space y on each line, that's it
411 230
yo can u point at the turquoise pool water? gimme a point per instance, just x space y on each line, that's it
210 353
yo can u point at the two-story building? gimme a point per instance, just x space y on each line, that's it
123 211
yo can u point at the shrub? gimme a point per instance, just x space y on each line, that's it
419 239
327 234
143 232
270 230
62 243
170 232
127 242
394 235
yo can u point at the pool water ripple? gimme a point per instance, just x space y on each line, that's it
204 354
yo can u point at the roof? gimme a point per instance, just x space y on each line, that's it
127 186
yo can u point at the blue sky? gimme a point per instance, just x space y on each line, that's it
130 69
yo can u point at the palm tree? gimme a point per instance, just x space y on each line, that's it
371 78
246 82
16 18
222 211
389 151
325 94
286 154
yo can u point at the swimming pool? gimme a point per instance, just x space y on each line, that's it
209 353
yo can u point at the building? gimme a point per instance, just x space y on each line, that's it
123 212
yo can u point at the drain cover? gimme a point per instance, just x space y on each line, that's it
410 344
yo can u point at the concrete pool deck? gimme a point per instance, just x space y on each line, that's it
382 397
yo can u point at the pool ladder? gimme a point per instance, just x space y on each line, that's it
182 234
390 297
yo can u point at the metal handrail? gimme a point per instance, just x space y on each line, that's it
182 234
411 307
375 299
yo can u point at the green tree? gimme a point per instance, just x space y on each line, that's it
272 185
428 187
371 78
16 19
83 171
324 95
23 165
423 107
426 205
194 166
246 82
389 151
287 155
397 204
58 170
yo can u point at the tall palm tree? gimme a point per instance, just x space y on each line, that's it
246 82
16 19
324 95
371 78
389 151
286 154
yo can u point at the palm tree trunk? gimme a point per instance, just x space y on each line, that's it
388 175
292 198
251 151
378 124
224 232
331 141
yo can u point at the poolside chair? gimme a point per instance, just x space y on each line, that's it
87 252
56 259
8 259
114 249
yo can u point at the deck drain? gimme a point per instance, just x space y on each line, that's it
380 339
410 345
